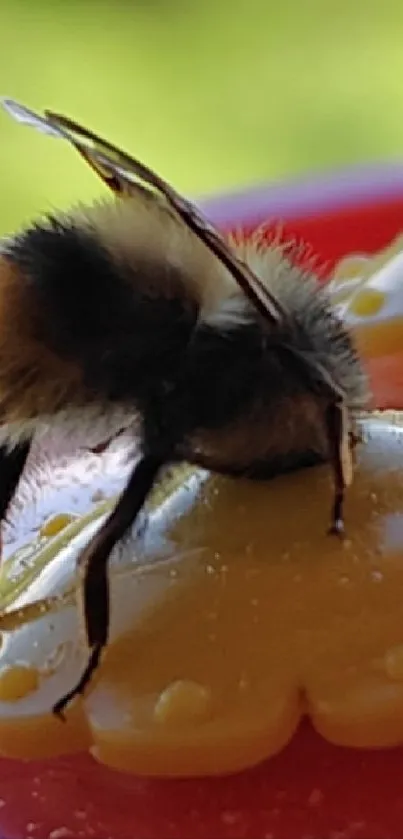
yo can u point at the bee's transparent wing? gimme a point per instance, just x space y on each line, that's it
27 117
122 172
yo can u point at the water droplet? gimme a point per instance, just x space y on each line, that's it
173 573
210 570
61 833
183 701
376 576
18 681
55 525
344 580
367 302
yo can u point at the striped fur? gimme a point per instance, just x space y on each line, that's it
152 260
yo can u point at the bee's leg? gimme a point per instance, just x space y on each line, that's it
93 565
342 462
12 464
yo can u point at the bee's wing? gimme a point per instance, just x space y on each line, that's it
122 172
27 117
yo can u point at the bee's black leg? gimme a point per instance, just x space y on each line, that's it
94 572
12 464
341 459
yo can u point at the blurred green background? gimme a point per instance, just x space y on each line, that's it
215 94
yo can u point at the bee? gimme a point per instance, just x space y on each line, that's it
135 312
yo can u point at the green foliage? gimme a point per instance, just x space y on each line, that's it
214 94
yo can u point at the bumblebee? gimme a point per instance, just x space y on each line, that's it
135 313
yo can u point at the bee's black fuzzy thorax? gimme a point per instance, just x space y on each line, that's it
97 313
